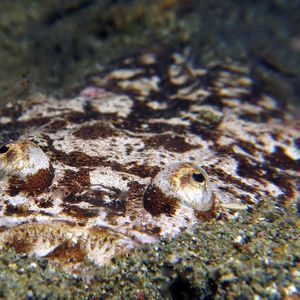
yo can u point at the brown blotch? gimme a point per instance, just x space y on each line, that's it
133 199
75 181
3 228
278 158
141 171
158 127
44 203
129 149
247 147
172 143
268 172
96 131
79 159
287 185
80 213
229 179
95 197
56 125
246 199
156 202
205 132
88 115
67 252
101 235
21 244
155 230
21 210
251 117
33 184
277 136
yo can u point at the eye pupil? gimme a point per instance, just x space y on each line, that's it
4 149
198 177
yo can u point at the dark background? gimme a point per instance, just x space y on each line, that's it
57 43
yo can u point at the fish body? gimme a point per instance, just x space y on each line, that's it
140 153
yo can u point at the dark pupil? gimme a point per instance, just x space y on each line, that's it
4 149
198 177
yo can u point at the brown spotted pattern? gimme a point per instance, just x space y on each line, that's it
108 141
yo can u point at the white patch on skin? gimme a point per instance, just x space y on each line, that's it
11 221
239 150
171 121
53 108
244 107
124 74
267 102
5 120
119 105
93 92
18 200
42 249
293 152
148 59
232 92
143 85
171 226
187 93
176 77
37 161
273 189
105 176
113 147
157 105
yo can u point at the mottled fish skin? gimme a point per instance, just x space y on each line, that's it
111 145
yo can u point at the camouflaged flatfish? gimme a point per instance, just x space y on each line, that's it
140 153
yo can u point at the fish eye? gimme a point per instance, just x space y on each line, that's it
25 168
175 186
4 149
198 177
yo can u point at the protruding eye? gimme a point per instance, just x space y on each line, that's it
4 149
179 184
198 177
25 167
